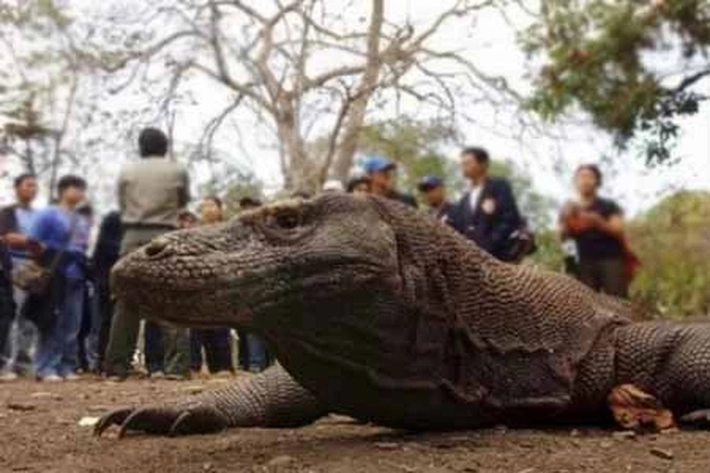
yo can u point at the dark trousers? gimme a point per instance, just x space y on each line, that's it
607 276
217 346
253 353
126 324
153 348
106 307
7 316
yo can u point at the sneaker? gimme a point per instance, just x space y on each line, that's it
176 377
157 375
8 376
51 378
224 374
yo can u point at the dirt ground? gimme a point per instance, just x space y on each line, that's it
40 432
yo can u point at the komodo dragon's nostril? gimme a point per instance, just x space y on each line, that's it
158 248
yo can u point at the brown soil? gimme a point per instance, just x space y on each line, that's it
39 432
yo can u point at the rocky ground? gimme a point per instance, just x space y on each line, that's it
40 431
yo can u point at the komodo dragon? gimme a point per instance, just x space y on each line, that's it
380 313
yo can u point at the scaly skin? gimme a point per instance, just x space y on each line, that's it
380 313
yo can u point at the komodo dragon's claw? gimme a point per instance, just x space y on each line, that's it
171 421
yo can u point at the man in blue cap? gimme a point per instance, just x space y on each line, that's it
381 172
433 190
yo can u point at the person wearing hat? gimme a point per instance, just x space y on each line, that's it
381 172
433 190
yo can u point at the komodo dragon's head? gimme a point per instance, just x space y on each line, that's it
283 260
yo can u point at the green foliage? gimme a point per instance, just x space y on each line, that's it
596 58
673 243
417 146
549 253
246 186
534 206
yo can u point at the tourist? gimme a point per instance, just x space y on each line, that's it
215 342
90 318
106 254
57 313
381 173
487 214
358 184
7 308
20 335
433 191
151 193
595 227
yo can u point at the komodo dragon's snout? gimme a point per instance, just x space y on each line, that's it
224 274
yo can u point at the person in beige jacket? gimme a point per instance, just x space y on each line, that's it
151 194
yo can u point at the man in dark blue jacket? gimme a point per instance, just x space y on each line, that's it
487 214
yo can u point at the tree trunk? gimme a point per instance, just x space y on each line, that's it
358 108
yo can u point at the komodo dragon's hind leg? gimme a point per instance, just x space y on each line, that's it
670 361
270 399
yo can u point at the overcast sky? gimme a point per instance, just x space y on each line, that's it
490 41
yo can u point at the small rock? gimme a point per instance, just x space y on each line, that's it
624 435
281 460
195 389
387 445
88 421
661 453
606 444
574 433
21 406
43 395
207 467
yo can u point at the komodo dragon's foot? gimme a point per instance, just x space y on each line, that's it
163 420
699 419
635 409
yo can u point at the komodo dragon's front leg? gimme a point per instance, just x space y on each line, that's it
270 399
671 362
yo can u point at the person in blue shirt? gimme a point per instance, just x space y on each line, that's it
18 333
54 229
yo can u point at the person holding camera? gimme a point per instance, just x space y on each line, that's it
594 234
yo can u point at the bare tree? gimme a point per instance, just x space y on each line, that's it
38 90
305 68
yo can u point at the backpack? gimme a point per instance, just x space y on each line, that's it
520 243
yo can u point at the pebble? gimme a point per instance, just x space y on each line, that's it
88 421
207 467
387 445
661 453
281 460
624 435
193 389
43 395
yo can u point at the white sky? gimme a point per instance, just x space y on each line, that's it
491 43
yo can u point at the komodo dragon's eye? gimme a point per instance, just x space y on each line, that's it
286 219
